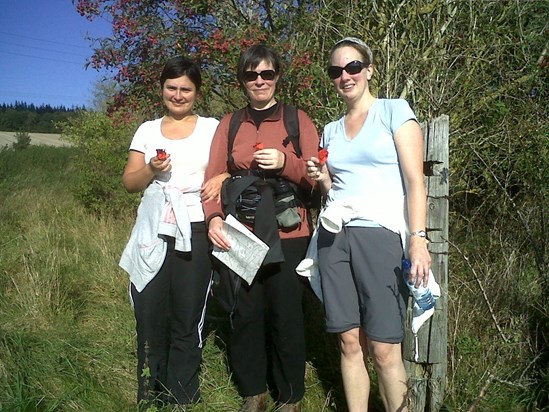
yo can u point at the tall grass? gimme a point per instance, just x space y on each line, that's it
67 337
66 333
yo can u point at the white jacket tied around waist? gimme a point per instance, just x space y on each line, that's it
162 212
336 214
389 213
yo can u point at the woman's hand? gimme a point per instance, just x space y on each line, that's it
138 174
316 170
269 159
211 190
420 259
159 166
216 235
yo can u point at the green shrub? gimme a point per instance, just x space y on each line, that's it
102 146
22 140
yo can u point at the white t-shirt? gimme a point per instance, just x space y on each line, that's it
189 158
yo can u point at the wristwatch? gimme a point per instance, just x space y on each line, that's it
419 233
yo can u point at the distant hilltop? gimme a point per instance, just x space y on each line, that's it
29 118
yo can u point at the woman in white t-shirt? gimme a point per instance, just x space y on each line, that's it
167 160
374 164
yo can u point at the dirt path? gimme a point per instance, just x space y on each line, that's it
46 139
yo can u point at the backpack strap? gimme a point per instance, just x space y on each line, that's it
291 123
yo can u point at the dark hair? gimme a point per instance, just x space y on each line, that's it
252 57
181 66
358 45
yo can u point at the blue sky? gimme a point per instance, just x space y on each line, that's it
43 50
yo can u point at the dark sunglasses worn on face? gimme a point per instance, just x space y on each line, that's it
353 67
250 76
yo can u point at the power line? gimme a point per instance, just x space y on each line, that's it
42 58
41 48
42 40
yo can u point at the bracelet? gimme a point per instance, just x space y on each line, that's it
419 233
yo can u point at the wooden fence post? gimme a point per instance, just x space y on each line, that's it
427 374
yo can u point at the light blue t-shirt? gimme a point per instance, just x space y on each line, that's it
367 166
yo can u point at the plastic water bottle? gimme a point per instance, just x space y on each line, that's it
422 294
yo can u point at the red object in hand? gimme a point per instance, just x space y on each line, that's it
322 156
259 146
161 154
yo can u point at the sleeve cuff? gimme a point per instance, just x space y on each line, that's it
212 216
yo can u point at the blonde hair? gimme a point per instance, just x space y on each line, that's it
358 45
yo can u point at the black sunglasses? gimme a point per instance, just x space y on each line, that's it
353 67
250 76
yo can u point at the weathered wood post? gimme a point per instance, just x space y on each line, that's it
427 374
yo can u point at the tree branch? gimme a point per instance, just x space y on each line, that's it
492 314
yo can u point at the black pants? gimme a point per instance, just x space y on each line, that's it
270 313
169 315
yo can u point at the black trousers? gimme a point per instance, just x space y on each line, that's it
169 315
268 331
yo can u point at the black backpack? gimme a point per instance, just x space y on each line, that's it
310 200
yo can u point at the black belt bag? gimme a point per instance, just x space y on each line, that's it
285 203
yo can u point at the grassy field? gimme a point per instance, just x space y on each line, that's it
49 139
67 338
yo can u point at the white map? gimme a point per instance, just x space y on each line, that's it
246 253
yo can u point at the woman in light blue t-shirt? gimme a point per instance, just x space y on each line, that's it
375 168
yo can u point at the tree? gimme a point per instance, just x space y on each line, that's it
146 33
103 95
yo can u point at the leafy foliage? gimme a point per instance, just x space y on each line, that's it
22 141
102 144
146 33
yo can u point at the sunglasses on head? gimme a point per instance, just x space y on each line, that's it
353 67
250 76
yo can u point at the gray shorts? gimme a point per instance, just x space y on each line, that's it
362 285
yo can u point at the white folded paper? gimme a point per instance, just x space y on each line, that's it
247 251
